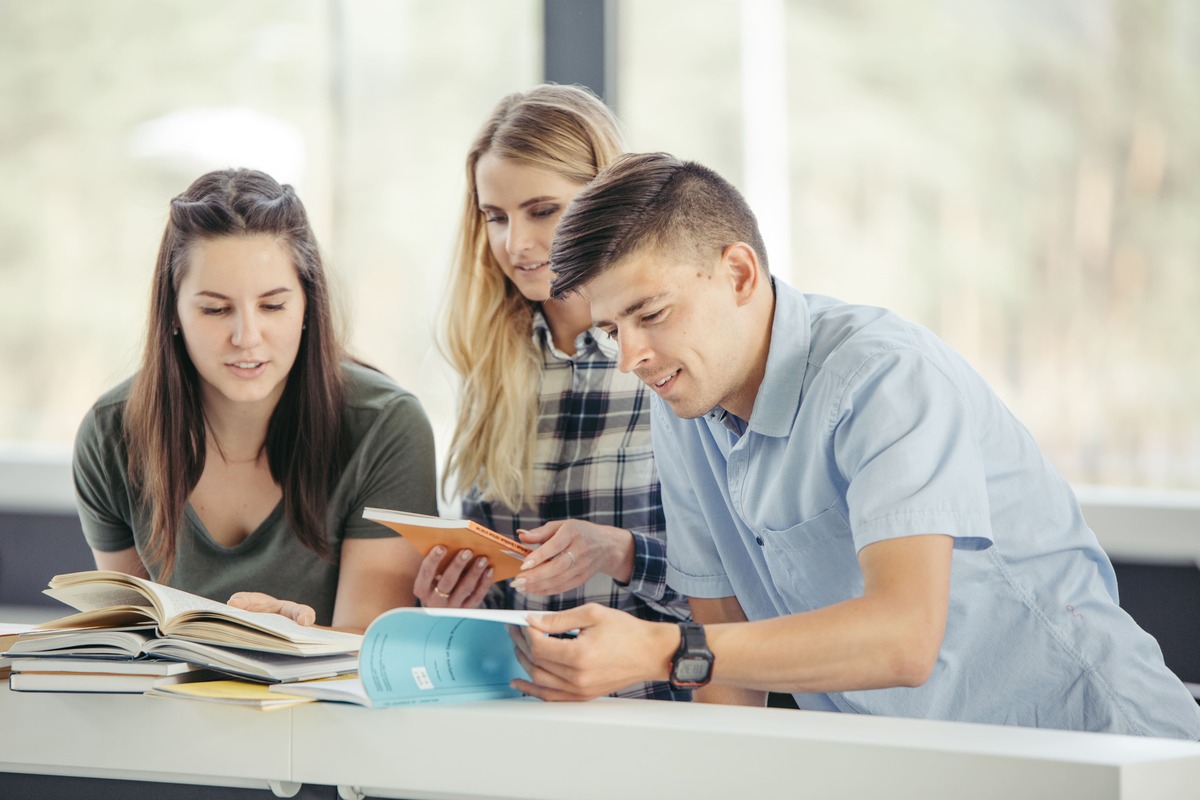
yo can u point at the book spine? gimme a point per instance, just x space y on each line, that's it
500 539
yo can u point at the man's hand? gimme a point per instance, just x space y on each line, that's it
257 601
570 552
461 583
611 650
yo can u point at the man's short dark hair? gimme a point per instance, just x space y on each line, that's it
649 201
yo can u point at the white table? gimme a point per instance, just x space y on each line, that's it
527 749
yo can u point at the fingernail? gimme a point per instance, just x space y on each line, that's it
481 562
527 564
465 555
438 551
519 584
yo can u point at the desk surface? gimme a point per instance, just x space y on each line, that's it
530 749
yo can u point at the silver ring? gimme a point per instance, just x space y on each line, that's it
441 594
571 556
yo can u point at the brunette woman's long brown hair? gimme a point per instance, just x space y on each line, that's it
164 416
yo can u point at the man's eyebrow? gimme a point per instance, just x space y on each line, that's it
630 309
219 296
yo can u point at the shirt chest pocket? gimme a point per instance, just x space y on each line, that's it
813 564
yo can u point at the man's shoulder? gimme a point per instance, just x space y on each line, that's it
844 336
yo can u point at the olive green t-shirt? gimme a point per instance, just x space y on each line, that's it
391 466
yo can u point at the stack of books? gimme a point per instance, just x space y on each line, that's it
131 635
100 675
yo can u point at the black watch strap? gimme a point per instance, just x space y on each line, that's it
692 665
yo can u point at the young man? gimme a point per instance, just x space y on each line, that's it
844 481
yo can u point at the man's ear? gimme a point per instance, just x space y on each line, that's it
740 263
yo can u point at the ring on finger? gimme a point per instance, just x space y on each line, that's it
571 556
441 594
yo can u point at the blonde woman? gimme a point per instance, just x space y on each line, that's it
552 442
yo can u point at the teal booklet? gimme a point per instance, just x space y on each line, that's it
428 655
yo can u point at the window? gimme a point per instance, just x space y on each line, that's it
1019 177
109 110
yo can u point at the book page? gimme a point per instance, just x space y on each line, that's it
191 616
410 656
337 690
265 667
98 642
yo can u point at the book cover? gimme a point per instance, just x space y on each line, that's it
109 682
238 693
89 643
104 666
109 599
413 656
425 532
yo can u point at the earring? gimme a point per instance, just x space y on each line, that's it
174 331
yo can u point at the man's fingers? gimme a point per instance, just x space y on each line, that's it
572 619
544 679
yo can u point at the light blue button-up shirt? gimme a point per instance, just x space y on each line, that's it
868 427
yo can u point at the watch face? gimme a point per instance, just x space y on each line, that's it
692 670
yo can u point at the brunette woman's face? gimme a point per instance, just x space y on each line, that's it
522 204
241 315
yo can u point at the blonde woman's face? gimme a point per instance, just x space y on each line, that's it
521 205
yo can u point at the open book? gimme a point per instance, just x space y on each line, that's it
428 655
108 599
425 532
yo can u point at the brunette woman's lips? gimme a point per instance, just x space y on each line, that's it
247 369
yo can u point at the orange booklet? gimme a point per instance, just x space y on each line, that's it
425 532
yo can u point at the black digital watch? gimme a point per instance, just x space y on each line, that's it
692 665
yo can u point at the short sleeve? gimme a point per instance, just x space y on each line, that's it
392 467
905 442
101 489
694 565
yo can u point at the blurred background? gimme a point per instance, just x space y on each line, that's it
1020 177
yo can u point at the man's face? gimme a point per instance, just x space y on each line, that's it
677 324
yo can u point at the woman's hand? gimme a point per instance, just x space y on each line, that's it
257 601
462 582
570 552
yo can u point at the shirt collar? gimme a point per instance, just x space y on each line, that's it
592 340
779 395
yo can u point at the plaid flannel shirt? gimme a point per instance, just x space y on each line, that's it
593 461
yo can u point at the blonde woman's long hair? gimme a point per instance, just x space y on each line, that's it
488 323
